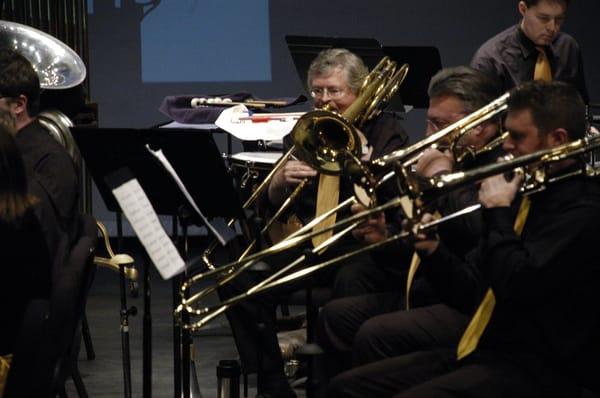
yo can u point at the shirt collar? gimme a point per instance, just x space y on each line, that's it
528 47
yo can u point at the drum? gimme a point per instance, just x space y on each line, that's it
250 168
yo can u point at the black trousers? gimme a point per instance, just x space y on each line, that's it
357 330
359 275
437 373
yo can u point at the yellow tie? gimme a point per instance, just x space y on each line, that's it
470 338
412 270
5 361
542 70
328 195
414 265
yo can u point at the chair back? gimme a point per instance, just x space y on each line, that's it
46 361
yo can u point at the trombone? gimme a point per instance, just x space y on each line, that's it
326 156
538 180
453 133
325 139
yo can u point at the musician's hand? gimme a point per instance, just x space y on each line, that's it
425 242
434 162
496 191
291 174
372 230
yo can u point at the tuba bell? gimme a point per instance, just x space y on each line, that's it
57 65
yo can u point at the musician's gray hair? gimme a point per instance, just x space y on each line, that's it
327 60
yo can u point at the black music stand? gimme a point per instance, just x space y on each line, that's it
424 62
108 151
305 48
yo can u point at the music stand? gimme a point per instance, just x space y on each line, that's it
108 151
424 63
304 50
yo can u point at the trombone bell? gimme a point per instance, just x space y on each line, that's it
323 139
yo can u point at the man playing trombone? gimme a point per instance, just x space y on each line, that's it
532 283
346 323
335 79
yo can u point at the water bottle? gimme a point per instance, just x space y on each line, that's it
228 379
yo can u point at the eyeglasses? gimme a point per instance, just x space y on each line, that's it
437 125
332 92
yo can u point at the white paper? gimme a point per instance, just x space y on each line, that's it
222 235
177 125
145 223
235 120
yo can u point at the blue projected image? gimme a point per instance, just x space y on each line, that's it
201 40
206 41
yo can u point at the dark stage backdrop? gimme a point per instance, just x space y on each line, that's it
141 51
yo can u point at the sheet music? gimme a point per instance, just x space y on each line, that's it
218 226
139 211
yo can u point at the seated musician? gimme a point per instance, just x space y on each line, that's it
334 79
28 248
348 324
536 333
46 161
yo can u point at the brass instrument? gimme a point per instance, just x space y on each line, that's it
490 146
57 66
115 261
58 126
327 141
250 202
534 182
317 157
452 134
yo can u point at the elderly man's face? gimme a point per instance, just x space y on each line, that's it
542 22
332 89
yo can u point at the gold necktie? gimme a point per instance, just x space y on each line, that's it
470 338
328 195
412 270
5 361
414 265
542 70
